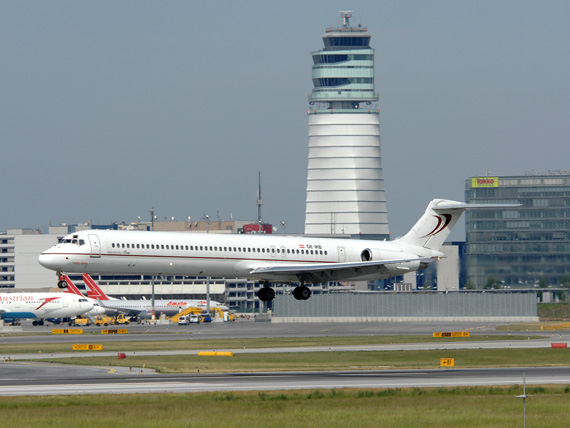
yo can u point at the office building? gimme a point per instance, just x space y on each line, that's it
523 245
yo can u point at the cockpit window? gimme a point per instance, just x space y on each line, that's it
73 240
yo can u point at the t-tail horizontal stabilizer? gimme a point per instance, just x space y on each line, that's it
435 225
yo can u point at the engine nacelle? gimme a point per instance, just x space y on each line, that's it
366 255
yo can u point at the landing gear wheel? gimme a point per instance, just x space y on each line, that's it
270 293
266 294
62 283
302 292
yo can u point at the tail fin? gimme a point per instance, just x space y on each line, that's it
95 292
71 287
432 229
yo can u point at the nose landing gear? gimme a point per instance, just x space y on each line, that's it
61 283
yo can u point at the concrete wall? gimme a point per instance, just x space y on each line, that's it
401 307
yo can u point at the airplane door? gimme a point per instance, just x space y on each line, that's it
273 252
95 246
341 255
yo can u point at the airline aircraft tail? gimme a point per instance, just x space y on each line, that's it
435 225
71 287
94 291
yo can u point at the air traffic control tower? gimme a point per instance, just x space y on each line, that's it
345 182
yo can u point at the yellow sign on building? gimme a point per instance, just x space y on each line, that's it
485 182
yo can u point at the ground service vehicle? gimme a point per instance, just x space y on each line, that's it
119 319
80 321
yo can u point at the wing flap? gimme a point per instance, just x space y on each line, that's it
322 272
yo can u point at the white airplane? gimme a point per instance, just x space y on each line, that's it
144 307
268 258
39 306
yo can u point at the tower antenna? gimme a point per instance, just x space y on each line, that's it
259 199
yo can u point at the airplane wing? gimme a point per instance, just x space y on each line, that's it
323 272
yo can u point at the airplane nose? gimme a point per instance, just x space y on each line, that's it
46 260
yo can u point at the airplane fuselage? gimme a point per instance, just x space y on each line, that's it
221 255
41 305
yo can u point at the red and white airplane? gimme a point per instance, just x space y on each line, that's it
72 289
144 307
268 258
39 306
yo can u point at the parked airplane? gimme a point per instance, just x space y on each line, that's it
144 307
281 259
72 289
38 306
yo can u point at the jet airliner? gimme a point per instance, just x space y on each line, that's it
144 307
278 259
38 306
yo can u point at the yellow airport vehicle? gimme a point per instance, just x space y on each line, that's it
225 315
79 320
119 319
188 311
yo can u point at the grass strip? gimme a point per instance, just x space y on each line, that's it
320 361
464 407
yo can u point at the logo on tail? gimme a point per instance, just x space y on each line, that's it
441 224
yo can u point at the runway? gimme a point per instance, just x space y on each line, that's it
38 379
45 378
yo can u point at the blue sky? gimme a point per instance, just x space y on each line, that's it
110 108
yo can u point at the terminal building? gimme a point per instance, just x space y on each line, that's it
345 182
523 245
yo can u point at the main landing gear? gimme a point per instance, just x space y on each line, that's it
61 283
266 293
302 292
